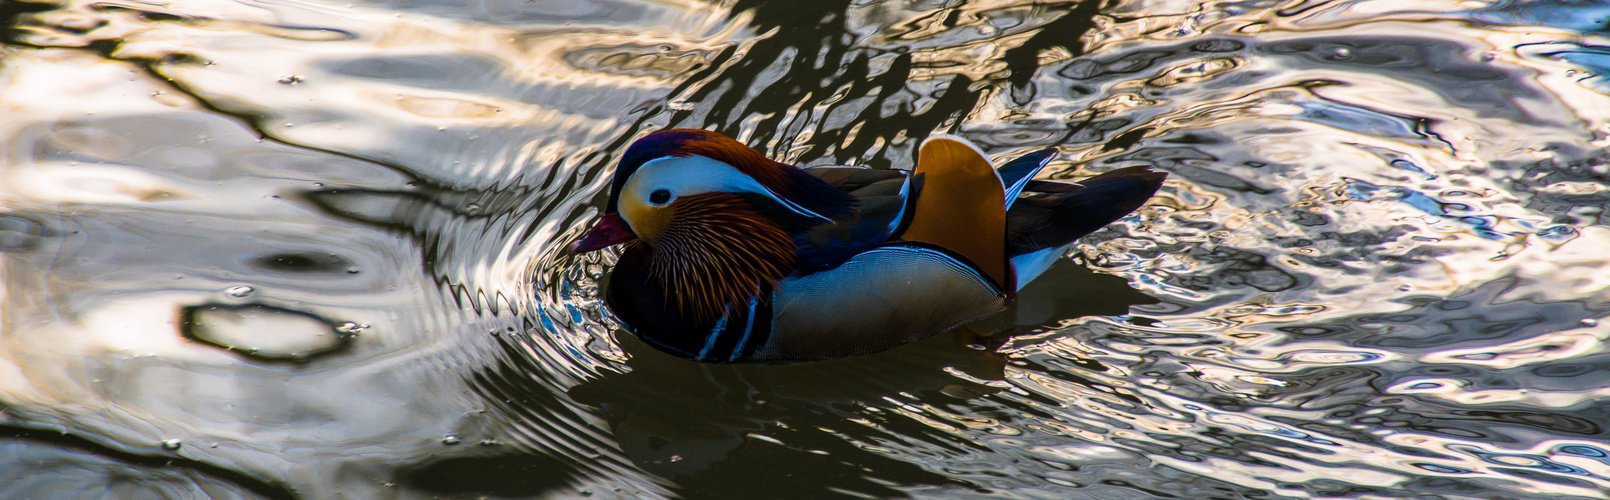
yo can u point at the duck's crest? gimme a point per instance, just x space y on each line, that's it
783 179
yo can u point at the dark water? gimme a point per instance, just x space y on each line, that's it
300 249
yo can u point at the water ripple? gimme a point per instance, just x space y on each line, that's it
282 248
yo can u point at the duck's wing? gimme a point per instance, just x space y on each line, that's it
962 207
882 199
944 266
961 221
1051 215
853 179
1018 173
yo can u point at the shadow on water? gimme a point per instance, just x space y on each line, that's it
708 429
519 398
207 477
804 65
822 96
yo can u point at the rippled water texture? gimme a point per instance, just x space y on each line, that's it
302 249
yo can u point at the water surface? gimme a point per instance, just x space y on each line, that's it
312 249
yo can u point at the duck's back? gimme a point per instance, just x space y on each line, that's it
881 198
937 264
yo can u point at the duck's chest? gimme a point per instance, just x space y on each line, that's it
876 300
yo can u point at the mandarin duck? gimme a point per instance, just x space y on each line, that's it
731 257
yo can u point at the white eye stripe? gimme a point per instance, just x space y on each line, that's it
690 175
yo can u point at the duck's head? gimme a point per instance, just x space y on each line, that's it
711 211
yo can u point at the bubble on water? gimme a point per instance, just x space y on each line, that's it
1343 53
1589 322
240 291
171 444
451 440
350 328
986 30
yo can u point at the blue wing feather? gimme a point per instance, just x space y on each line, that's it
881 195
1016 174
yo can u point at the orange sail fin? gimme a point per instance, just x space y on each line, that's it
962 205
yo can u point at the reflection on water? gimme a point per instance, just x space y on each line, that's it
289 248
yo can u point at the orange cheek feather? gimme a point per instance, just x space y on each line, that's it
715 251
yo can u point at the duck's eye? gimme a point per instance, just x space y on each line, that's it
659 197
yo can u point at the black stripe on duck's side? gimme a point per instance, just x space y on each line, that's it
640 301
736 336
960 259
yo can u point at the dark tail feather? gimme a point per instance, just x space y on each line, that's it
1052 214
